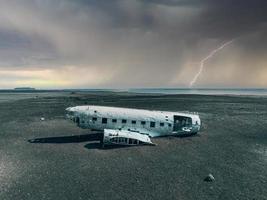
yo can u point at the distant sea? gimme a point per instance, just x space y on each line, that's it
199 91
204 91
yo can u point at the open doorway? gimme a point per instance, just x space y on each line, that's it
77 120
180 122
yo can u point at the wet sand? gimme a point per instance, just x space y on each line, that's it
54 159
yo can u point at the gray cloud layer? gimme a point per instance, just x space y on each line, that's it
132 43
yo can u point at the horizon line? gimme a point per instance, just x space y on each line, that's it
137 88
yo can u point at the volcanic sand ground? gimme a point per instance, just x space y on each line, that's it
54 159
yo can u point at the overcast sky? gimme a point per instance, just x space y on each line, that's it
132 43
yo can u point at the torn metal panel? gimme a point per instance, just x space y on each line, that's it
123 137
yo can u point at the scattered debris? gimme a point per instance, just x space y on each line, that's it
42 118
209 178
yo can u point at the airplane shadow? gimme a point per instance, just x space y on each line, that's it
93 139
181 136
68 139
187 135
96 145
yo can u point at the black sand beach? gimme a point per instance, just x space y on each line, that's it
53 159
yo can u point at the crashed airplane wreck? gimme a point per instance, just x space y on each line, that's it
127 127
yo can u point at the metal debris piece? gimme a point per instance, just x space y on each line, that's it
209 178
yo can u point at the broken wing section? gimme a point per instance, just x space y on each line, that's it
125 138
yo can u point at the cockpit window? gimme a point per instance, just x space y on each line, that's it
71 112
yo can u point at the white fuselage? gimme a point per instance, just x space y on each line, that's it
152 123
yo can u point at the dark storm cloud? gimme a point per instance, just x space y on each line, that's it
155 40
222 19
214 19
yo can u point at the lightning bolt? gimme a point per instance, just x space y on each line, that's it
202 62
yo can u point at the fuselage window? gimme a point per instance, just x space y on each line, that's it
143 122
94 119
114 120
152 124
104 120
133 122
161 124
124 121
169 125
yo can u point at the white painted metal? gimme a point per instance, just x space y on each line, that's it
146 122
123 137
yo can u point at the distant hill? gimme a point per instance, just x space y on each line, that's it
24 88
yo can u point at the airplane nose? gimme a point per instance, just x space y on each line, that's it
68 109
68 116
69 113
